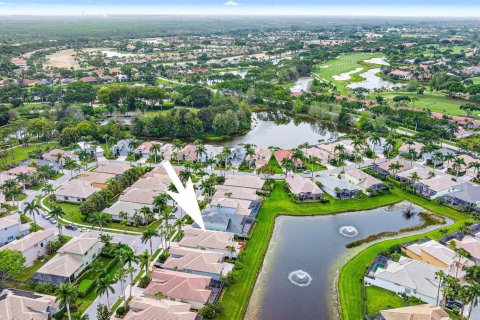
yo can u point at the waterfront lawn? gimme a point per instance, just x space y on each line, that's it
236 296
380 299
350 283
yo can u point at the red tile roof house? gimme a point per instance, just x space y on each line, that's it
287 154
89 80
193 289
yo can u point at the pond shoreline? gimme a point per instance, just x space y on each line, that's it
256 297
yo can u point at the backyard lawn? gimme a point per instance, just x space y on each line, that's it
380 299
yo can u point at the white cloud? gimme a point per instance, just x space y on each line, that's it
231 3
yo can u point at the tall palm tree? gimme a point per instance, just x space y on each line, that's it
144 259
67 294
105 286
147 236
121 276
476 167
160 202
457 165
48 189
155 148
32 208
166 217
128 257
440 276
473 291
146 212
23 178
99 219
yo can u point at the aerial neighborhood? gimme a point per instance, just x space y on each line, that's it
339 157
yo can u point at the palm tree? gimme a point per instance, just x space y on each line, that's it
166 217
184 176
437 158
155 148
48 189
144 260
105 286
67 294
440 276
476 167
457 165
124 216
394 167
200 149
160 202
121 276
127 256
231 250
473 291
146 212
147 236
99 219
32 208
23 178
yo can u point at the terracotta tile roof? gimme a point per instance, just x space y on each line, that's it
199 239
179 285
25 306
142 308
196 260
299 184
419 312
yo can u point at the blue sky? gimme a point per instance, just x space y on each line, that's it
241 7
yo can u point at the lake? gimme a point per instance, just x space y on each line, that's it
372 81
276 128
298 272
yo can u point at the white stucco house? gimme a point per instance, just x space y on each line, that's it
32 246
12 228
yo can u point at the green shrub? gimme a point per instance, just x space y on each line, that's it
121 311
85 286
144 281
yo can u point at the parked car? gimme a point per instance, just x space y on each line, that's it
307 172
84 229
71 227
45 215
174 209
53 220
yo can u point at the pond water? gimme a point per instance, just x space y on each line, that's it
372 81
302 84
275 128
297 275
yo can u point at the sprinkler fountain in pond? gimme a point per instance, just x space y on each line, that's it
299 278
348 231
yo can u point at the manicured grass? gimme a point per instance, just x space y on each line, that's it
236 296
29 271
436 102
20 153
345 63
72 213
275 165
350 284
380 299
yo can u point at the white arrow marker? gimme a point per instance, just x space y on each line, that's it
185 196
